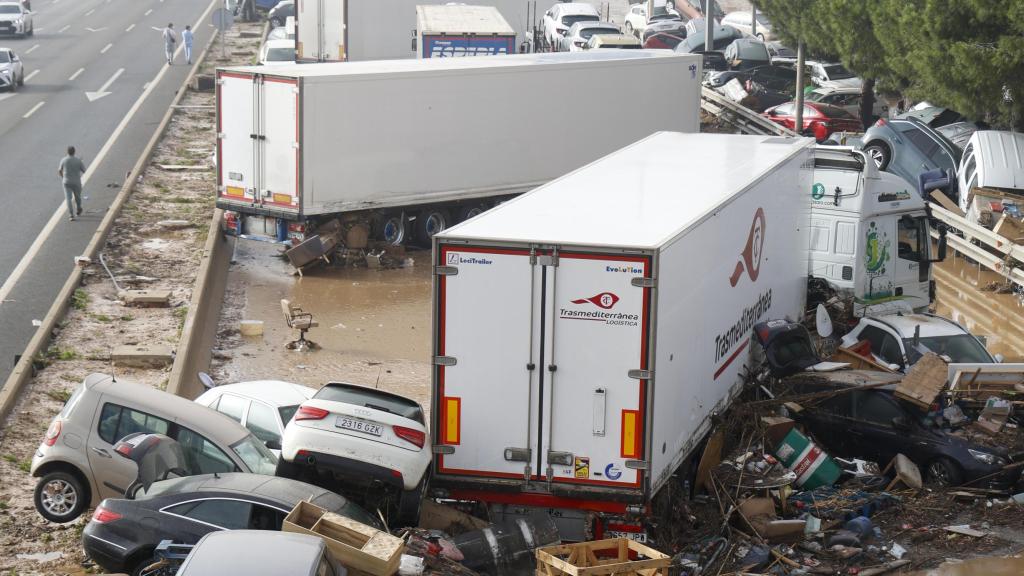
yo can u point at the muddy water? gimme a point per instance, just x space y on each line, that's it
997 317
993 566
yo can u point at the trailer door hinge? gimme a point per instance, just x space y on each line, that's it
641 282
637 464
443 361
221 135
446 270
443 449
550 260
641 374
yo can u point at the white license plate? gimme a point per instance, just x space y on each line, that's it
358 426
640 537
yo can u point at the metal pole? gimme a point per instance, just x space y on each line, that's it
753 21
798 125
709 27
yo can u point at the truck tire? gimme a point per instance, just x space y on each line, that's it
393 230
430 222
467 212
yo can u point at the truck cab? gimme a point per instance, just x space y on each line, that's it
869 236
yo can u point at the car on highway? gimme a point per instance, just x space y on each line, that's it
361 437
16 19
848 98
279 14
576 38
123 533
277 52
561 17
831 118
12 71
900 340
743 21
76 464
263 406
612 42
261 553
907 147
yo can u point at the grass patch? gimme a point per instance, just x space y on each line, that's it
10 458
126 318
3 505
180 200
79 300
25 466
59 395
102 318
57 353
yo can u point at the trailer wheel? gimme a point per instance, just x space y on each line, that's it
470 211
430 222
393 230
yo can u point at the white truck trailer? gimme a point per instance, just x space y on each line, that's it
431 141
458 30
355 30
585 332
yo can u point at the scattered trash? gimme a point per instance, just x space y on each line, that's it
966 530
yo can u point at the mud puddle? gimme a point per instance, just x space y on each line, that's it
964 293
992 566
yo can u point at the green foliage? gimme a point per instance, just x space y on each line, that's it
79 300
960 54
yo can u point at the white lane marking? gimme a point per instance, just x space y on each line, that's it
59 213
63 29
29 51
148 12
157 28
34 108
93 96
75 75
105 48
31 75
146 85
89 13
7 95
129 29
96 29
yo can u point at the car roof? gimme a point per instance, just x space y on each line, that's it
271 487
615 39
196 417
275 392
257 552
571 9
1000 157
594 24
931 325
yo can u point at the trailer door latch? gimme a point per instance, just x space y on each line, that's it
643 282
517 454
443 449
443 361
446 270
641 374
560 458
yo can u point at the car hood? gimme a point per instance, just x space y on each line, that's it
9 17
844 83
6 66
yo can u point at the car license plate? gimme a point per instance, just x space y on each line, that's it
358 425
640 537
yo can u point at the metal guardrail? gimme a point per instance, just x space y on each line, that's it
993 251
743 118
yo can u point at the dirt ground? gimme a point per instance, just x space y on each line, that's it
141 254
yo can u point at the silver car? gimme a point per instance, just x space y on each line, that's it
16 19
908 147
12 72
76 464
259 553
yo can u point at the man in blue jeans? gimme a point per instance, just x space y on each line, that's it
70 171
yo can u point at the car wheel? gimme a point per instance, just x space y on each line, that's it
879 153
21 81
59 497
411 501
142 561
944 472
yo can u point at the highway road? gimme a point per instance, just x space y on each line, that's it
96 78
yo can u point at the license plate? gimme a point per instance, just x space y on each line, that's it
640 537
358 425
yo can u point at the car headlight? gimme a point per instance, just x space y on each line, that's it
986 457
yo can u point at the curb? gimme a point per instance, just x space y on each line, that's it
23 371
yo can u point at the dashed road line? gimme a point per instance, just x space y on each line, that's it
31 75
75 75
89 13
105 48
63 29
34 108
148 12
129 29
29 51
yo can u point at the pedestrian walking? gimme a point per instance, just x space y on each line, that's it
170 39
70 170
186 40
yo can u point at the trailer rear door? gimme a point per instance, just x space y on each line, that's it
235 148
540 365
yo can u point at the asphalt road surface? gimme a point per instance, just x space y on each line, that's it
96 78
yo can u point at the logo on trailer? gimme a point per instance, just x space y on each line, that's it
453 258
750 259
612 472
818 191
604 300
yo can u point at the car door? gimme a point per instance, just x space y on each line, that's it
826 419
201 516
884 346
873 435
112 473
266 517
263 422
202 455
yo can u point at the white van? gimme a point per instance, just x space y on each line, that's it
991 175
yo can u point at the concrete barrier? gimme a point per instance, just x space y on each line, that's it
23 370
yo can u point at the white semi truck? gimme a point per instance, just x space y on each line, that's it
355 30
585 332
458 30
416 145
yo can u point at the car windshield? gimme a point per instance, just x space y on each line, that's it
752 51
586 33
836 112
280 54
257 458
10 9
371 398
763 20
574 18
837 72
959 348
287 412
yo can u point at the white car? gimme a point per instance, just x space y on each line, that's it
899 340
365 438
580 32
12 73
637 18
263 406
848 99
561 17
277 52
832 75
16 19
743 22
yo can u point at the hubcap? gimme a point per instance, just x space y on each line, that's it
473 212
434 224
939 474
394 232
59 497
877 156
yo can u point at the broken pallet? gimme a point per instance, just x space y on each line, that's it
600 558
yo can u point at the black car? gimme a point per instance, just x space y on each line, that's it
673 27
722 37
123 533
769 85
874 425
278 14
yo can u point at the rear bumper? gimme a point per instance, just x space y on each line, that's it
104 550
352 472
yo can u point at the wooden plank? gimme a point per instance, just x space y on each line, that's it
710 458
966 530
858 362
944 201
582 559
924 381
1010 228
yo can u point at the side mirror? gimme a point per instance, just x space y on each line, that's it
274 444
942 244
773 113
822 321
901 423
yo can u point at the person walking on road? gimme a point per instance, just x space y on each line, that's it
70 170
186 40
170 39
